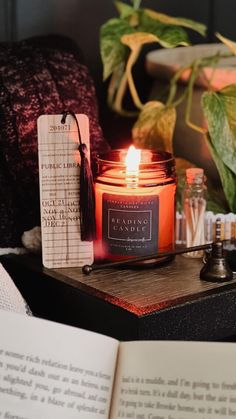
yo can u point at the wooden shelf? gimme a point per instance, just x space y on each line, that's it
167 302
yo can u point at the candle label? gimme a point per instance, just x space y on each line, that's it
130 224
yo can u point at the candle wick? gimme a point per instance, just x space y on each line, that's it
132 162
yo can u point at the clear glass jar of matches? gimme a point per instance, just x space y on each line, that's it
194 207
135 205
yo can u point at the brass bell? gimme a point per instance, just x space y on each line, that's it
216 268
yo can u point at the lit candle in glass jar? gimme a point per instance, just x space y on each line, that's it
135 204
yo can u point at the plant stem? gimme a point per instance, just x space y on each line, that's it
197 65
127 78
117 105
173 85
120 94
114 84
136 4
180 99
131 60
192 80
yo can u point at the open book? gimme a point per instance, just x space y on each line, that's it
49 370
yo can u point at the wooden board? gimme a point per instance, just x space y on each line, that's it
143 291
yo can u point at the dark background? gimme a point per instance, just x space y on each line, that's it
81 20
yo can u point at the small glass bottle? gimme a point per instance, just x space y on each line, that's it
194 207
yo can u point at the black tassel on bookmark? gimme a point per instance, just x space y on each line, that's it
87 197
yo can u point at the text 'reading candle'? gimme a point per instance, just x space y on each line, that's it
135 204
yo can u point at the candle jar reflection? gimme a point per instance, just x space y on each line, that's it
135 209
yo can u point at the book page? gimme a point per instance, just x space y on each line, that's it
175 380
49 370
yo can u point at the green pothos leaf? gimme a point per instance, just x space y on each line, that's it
137 39
216 200
168 31
155 126
177 21
169 36
124 9
113 52
228 178
220 112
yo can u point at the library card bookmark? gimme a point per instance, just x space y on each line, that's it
59 180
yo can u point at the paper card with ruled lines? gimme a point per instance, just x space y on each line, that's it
59 171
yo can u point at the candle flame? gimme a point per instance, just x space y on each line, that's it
133 159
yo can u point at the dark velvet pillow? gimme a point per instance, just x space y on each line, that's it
43 75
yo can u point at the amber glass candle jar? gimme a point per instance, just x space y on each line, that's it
135 204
